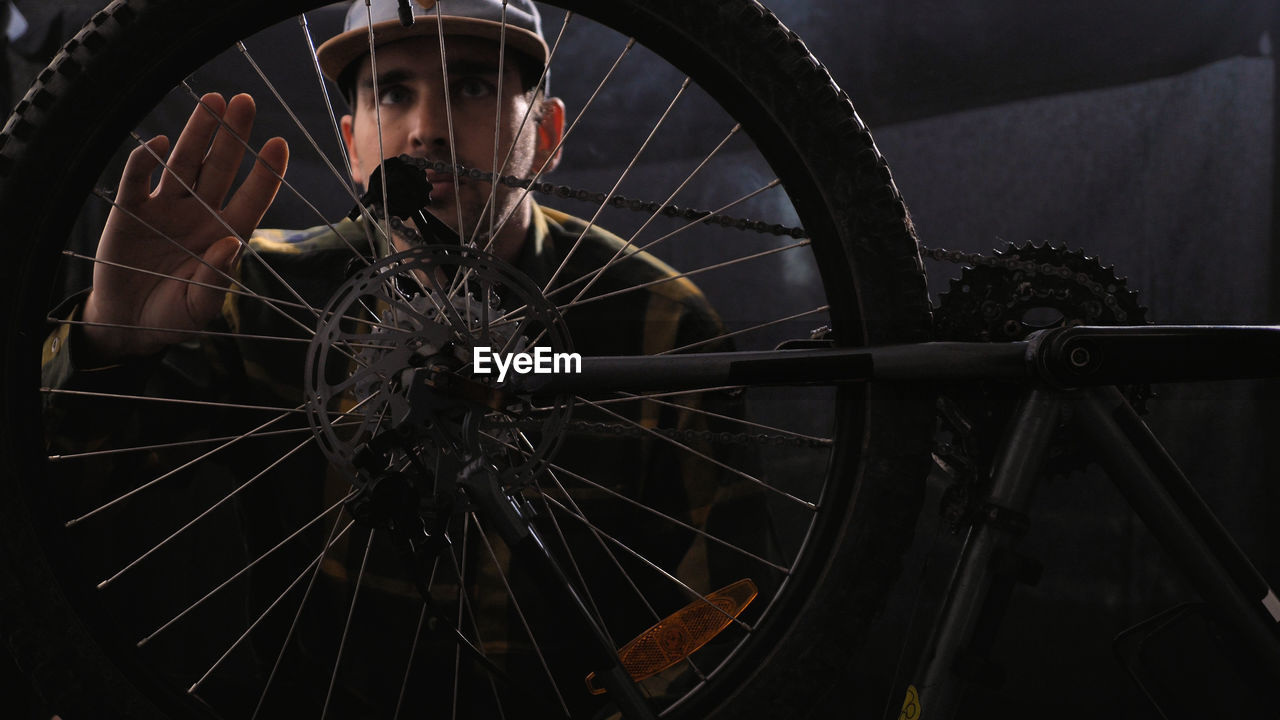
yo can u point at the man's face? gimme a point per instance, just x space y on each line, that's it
415 120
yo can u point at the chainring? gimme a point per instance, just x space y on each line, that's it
1023 288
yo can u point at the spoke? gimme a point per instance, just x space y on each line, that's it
417 634
528 111
589 277
373 316
328 103
206 513
631 42
730 418
377 116
523 621
644 600
704 456
181 401
573 560
348 181
271 302
646 508
293 627
518 334
313 567
443 303
491 204
193 461
446 308
171 473
630 398
670 393
603 546
177 444
246 291
224 127
564 262
459 566
344 182
658 513
815 311
692 593
244 243
656 213
397 302
155 328
678 276
448 114
346 628
464 601
239 573
274 304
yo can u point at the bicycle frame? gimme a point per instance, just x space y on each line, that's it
1062 369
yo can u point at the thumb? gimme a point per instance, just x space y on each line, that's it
203 302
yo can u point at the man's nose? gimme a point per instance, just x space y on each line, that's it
430 130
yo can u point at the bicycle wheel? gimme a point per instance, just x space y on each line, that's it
117 605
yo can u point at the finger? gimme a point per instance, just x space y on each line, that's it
254 196
188 153
135 181
223 161
204 303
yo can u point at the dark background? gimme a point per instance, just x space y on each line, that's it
1141 132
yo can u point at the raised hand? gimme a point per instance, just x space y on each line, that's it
180 231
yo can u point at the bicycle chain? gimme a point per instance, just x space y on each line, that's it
957 257
617 201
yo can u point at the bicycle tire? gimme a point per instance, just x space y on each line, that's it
98 87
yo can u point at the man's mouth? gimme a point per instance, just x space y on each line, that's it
441 184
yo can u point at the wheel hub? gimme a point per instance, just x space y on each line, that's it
389 377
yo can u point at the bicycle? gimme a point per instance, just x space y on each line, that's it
837 560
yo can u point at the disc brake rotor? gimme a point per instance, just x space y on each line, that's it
389 378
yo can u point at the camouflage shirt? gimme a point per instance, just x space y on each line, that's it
241 363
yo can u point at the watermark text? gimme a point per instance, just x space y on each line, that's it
484 360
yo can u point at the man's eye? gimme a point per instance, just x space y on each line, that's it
394 95
474 87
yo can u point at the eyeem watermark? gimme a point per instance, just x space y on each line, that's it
540 362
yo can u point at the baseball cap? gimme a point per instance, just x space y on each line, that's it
476 18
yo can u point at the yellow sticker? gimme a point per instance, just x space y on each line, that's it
910 706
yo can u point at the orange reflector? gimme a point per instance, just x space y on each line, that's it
679 635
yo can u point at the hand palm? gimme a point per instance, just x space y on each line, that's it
165 254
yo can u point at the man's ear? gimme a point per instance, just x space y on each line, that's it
349 138
550 132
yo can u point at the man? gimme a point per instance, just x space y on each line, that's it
464 104
406 110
